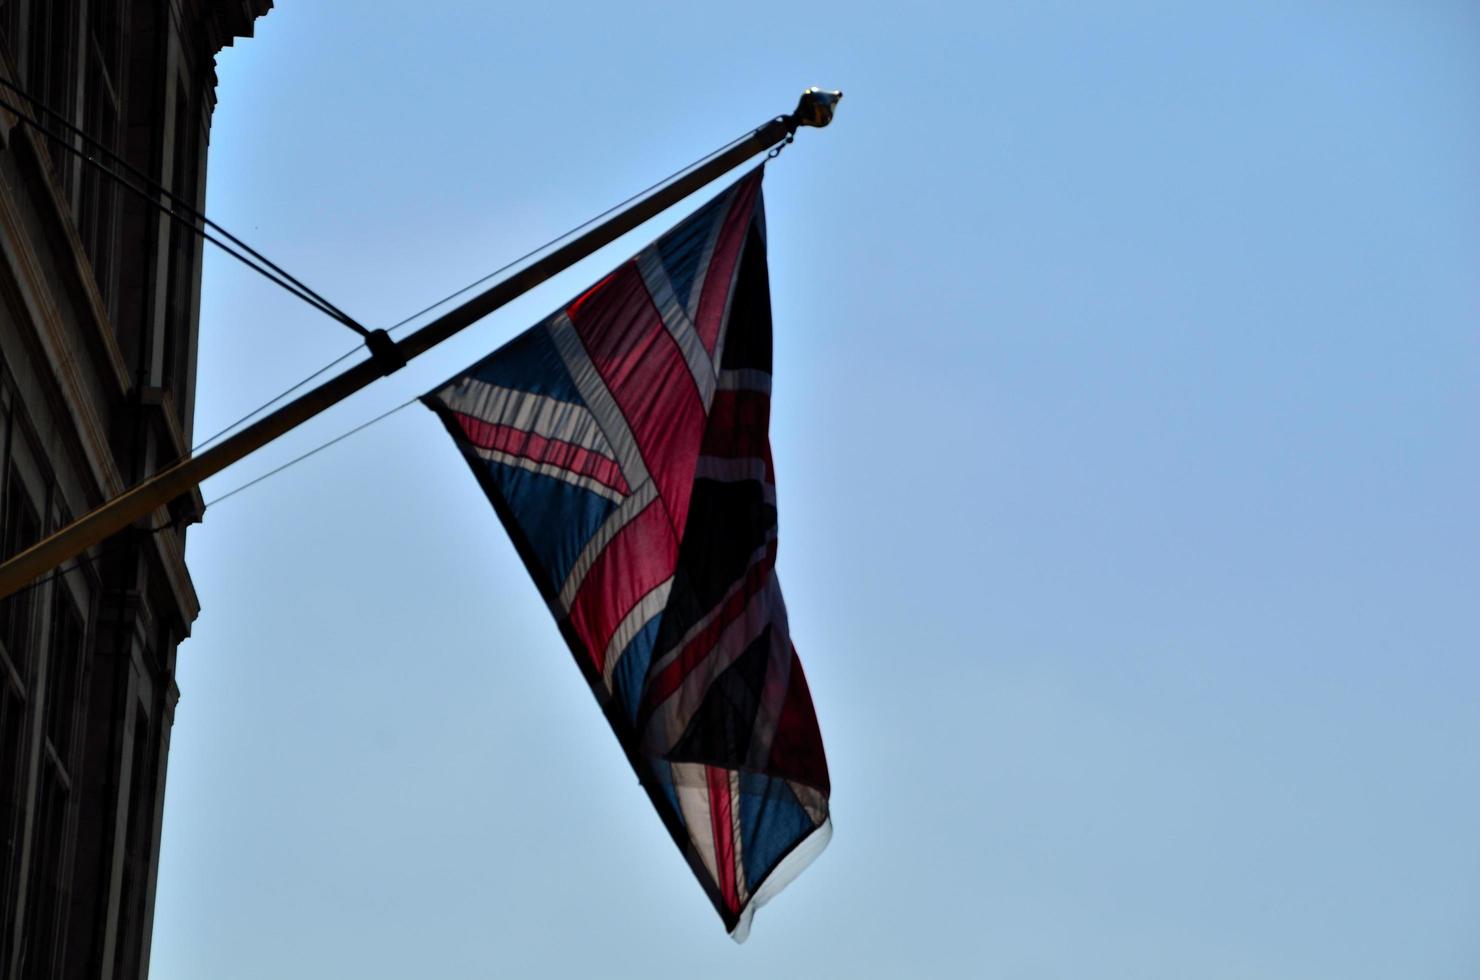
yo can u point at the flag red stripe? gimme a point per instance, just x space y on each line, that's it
640 558
668 680
557 452
649 380
723 831
716 291
796 748
738 423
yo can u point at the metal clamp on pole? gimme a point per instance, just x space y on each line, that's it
384 351
815 108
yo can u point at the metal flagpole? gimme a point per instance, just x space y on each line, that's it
388 356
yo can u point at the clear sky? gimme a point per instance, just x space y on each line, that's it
1126 410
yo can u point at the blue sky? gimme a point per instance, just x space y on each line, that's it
1126 406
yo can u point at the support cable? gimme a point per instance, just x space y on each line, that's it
156 195
312 452
272 401
424 310
113 544
269 269
560 238
471 286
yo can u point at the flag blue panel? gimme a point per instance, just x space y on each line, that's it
556 518
683 248
771 822
529 362
632 669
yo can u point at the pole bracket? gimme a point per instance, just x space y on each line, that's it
384 351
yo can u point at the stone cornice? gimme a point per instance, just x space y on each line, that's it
232 19
221 22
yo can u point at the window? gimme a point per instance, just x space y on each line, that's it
46 896
102 110
9 21
12 737
136 856
143 79
42 645
183 246
19 528
49 71
63 673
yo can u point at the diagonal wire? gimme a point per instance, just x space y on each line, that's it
117 541
559 238
178 210
273 400
312 452
160 189
471 286
194 220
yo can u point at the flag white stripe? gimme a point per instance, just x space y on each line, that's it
647 607
738 470
782 875
617 520
678 323
549 469
745 379
598 399
691 786
526 411
659 662
697 290
773 695
671 718
742 887
724 320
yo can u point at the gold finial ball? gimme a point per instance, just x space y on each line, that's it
816 107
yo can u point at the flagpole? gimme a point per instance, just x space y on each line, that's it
388 356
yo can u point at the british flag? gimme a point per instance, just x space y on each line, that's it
624 443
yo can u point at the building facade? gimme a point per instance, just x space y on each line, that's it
99 301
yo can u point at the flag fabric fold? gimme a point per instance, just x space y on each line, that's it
624 443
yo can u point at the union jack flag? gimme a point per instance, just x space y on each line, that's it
623 442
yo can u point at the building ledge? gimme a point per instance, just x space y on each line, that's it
227 20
